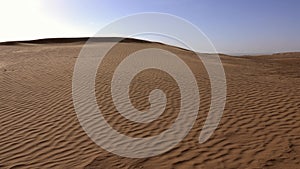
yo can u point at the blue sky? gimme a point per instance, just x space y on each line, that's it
234 26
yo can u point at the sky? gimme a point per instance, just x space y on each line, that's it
233 26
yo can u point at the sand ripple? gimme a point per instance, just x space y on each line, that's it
39 128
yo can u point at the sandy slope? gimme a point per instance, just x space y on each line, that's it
39 128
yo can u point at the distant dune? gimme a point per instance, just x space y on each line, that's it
39 128
74 40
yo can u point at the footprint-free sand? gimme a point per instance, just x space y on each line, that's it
39 128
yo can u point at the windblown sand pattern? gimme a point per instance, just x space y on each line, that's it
39 128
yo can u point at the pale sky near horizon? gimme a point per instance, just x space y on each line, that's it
234 26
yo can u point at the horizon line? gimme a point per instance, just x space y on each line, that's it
118 38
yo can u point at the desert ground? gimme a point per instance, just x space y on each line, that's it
39 128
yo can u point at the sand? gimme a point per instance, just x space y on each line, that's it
39 128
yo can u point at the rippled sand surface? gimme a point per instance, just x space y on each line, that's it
39 128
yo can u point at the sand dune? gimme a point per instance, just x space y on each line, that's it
39 128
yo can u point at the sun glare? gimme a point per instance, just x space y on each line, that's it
27 20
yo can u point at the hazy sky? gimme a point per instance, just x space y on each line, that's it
234 26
